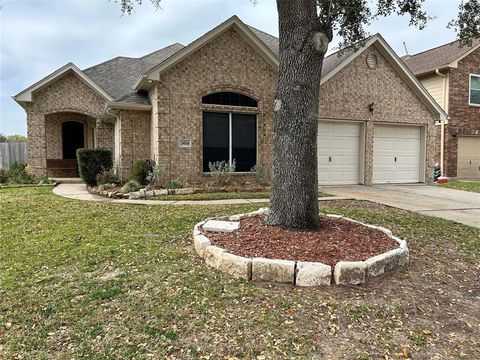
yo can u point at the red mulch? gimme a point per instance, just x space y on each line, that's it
337 240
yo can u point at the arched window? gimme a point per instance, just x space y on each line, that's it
230 99
72 138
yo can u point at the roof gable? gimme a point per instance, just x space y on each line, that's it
265 51
26 95
443 56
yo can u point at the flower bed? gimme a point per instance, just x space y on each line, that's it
346 250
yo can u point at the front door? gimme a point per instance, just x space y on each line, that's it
73 138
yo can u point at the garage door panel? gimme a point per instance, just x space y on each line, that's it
468 163
396 154
338 153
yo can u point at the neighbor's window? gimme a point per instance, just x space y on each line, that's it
474 90
228 137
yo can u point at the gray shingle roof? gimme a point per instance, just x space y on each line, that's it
436 58
118 75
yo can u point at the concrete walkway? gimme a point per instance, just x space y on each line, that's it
79 192
457 205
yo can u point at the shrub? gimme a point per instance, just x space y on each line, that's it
258 173
92 162
44 181
107 186
221 171
157 177
130 186
17 174
174 184
140 171
3 176
107 177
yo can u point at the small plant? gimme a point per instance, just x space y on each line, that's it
92 162
17 174
140 171
221 171
107 177
258 174
44 181
157 177
107 186
3 176
131 186
174 184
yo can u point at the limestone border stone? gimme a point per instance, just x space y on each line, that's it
299 273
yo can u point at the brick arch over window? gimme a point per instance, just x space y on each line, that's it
231 89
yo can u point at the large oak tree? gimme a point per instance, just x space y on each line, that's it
306 27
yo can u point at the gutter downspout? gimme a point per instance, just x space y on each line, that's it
442 125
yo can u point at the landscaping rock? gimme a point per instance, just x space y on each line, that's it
134 195
185 191
198 228
350 272
272 270
149 193
213 256
160 192
221 226
236 266
200 242
313 274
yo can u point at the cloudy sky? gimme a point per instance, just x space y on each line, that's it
39 36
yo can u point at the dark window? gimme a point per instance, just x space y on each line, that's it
244 141
229 98
215 138
217 130
73 138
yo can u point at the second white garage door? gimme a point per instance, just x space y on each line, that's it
468 166
396 154
338 153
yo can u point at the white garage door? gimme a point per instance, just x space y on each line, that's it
396 154
468 163
338 153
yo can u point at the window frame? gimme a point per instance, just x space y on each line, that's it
230 137
470 90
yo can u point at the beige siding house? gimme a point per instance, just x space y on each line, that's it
451 74
187 106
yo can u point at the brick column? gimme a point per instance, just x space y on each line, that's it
369 153
36 143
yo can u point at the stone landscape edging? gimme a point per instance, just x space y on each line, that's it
298 273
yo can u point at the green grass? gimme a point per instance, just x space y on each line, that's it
473 186
94 280
222 196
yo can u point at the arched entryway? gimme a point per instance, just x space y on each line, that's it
73 138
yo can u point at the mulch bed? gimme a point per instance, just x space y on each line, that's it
337 240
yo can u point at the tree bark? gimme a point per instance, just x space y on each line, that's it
294 199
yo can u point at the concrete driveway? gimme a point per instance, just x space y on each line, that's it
456 205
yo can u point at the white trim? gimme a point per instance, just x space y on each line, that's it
399 66
234 21
470 90
26 95
454 63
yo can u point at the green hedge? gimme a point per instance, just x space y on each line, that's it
140 171
92 162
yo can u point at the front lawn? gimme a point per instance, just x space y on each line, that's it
113 281
473 186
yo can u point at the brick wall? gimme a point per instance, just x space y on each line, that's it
464 119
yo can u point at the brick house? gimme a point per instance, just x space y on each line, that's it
213 100
451 74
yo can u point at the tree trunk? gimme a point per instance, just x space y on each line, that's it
294 199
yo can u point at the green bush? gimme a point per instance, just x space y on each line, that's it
157 177
130 186
107 177
174 184
92 162
258 173
141 169
221 172
17 174
3 176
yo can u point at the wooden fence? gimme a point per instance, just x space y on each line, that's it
11 152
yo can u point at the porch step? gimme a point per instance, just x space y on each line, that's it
75 180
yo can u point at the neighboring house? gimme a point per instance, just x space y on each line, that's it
451 74
213 100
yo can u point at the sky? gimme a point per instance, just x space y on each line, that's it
39 36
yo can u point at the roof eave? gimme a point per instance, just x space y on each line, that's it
121 105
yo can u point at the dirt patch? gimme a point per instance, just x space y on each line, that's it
337 240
